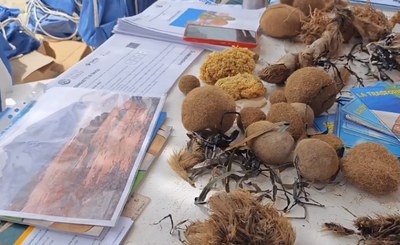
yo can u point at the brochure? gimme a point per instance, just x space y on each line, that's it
166 20
384 102
75 155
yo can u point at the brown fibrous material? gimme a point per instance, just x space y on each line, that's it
333 141
278 72
308 6
373 168
314 26
328 45
370 23
239 218
226 63
185 159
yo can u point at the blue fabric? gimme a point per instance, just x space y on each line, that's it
4 49
143 4
54 25
6 13
24 43
66 6
108 11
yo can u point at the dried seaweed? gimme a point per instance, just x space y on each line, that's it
378 230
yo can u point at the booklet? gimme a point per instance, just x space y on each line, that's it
75 155
166 20
384 102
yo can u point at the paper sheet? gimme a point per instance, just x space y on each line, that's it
132 65
47 237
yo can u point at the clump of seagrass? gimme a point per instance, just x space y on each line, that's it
278 72
383 229
185 159
227 63
314 26
373 168
239 218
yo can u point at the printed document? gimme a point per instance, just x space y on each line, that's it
133 65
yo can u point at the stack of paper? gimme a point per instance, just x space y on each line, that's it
166 20
372 116
71 163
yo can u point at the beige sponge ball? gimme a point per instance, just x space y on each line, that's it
277 96
273 147
316 160
242 86
206 107
284 112
305 111
312 86
333 141
373 168
281 21
227 63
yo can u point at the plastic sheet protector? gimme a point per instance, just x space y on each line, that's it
74 156
133 65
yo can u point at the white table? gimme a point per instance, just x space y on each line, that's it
171 195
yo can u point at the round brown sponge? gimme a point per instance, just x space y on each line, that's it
312 86
277 96
316 160
281 21
187 83
250 115
273 147
333 141
305 112
284 112
373 168
205 107
308 6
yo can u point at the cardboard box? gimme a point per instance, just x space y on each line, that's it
50 60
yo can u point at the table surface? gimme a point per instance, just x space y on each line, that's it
171 195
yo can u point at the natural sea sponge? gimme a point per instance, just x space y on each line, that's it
373 168
273 147
314 26
312 86
205 107
239 218
316 160
250 115
308 6
277 96
281 21
187 83
227 63
305 112
242 86
284 112
333 141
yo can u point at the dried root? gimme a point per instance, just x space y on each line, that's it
379 230
328 45
239 218
314 26
186 159
281 70
395 19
